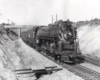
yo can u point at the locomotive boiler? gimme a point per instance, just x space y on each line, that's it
57 39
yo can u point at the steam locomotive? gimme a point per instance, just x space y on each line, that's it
57 39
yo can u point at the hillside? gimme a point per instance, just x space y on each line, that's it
91 22
89 36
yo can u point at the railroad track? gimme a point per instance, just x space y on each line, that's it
91 60
79 70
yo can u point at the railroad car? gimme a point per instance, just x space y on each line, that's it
57 40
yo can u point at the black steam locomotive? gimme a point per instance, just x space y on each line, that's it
57 39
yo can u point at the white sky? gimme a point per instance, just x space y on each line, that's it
39 12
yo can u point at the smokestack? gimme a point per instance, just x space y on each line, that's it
52 18
56 17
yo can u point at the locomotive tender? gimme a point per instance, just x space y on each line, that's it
57 39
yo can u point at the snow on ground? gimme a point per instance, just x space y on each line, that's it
89 40
17 55
91 66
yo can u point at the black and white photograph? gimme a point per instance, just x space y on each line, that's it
49 39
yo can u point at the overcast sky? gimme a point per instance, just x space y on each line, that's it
39 12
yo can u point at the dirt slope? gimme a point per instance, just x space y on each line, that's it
89 40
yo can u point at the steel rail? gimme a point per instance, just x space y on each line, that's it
91 60
79 70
